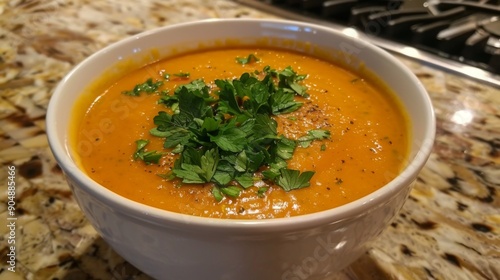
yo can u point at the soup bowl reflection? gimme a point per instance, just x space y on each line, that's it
168 245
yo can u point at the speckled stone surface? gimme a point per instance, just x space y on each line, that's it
448 229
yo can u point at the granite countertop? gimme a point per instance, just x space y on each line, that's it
448 229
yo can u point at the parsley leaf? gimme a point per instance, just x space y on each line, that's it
195 85
288 80
274 170
245 180
246 60
195 168
141 153
168 100
285 148
232 191
283 102
217 194
255 159
265 127
241 162
222 178
141 144
315 134
228 102
209 163
148 87
192 103
292 179
175 136
231 139
189 173
182 74
261 191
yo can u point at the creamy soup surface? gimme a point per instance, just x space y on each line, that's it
367 146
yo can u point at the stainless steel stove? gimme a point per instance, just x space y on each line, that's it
462 36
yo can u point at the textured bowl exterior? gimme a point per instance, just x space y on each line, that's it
169 245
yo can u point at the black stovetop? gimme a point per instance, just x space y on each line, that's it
461 36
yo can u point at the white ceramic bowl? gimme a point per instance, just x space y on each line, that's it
174 246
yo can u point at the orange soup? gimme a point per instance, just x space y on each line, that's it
294 135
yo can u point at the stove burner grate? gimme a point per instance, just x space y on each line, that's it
462 36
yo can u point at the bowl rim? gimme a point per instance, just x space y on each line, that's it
150 214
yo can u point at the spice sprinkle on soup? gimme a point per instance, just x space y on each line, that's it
243 132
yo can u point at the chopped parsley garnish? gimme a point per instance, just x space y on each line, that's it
217 194
288 80
182 74
293 179
227 136
261 191
232 191
246 60
148 87
141 153
317 134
